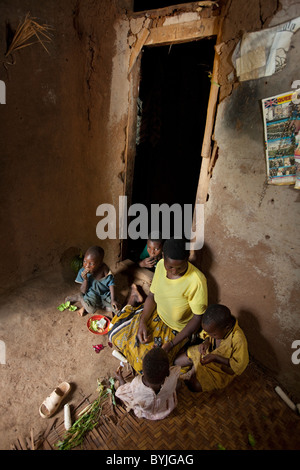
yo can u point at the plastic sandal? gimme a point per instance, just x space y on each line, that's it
51 404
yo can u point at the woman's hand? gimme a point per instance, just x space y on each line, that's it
149 305
142 333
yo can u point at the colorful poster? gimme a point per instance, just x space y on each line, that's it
281 116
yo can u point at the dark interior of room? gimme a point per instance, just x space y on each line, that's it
142 5
172 105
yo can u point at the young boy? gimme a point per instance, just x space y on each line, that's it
151 395
97 283
221 356
152 252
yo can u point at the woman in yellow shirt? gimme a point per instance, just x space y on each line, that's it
171 313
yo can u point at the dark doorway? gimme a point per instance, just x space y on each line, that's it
141 5
172 106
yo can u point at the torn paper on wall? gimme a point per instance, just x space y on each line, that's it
263 53
281 114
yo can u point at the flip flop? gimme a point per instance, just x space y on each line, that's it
51 404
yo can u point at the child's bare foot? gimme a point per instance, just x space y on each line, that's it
81 311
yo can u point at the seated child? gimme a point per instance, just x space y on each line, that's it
97 283
221 356
151 395
152 252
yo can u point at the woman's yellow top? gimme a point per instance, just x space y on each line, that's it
179 299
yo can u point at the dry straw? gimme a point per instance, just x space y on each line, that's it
26 31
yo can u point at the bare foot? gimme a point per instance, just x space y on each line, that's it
81 311
135 297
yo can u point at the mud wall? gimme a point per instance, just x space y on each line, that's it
57 162
251 253
63 153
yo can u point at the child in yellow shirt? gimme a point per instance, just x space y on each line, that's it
221 356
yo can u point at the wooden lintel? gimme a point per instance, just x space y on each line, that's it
183 32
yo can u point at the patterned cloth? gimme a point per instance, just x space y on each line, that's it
123 334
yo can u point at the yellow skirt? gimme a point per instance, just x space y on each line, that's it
123 335
211 376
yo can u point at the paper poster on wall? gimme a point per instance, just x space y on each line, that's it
281 115
263 53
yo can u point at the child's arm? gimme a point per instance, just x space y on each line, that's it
112 295
147 263
84 285
203 347
215 358
119 375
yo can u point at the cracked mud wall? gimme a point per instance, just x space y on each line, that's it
57 162
251 253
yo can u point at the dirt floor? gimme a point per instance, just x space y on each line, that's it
44 347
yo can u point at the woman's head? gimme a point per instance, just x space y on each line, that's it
156 366
175 257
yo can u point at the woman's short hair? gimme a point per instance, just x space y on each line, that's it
175 249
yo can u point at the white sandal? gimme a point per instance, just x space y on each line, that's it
51 404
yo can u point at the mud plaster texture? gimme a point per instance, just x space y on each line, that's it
63 155
45 347
251 252
55 163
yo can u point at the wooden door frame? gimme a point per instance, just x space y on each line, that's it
161 28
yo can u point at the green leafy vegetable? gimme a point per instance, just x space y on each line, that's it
66 306
72 308
76 263
88 418
251 440
111 390
93 325
220 447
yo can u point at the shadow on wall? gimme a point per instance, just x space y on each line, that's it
259 348
203 260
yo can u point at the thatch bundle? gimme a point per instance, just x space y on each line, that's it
27 30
